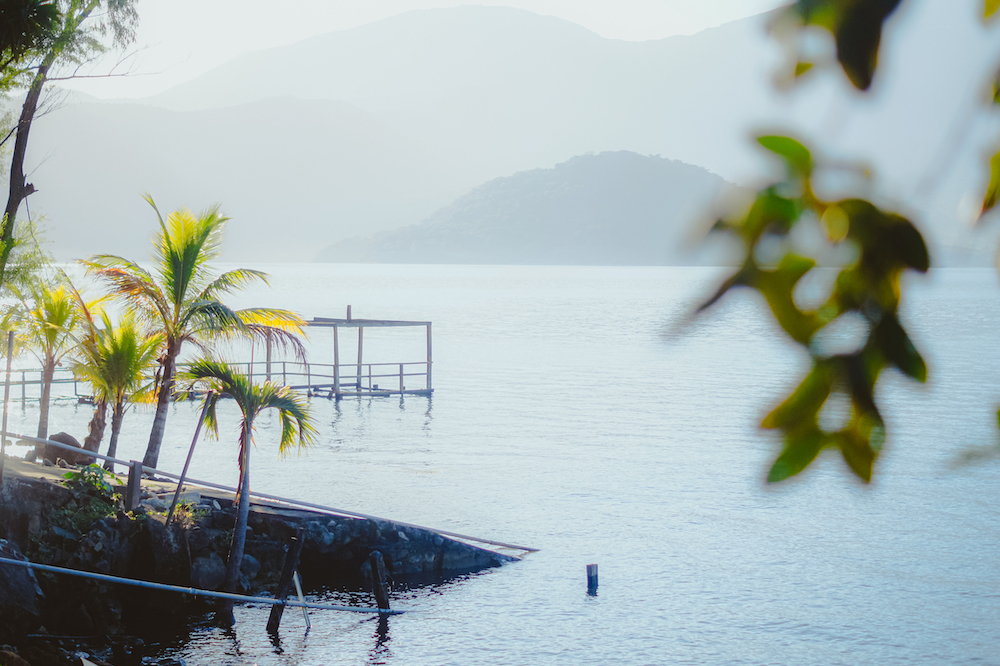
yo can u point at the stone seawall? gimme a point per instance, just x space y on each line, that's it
47 523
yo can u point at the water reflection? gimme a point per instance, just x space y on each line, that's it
380 654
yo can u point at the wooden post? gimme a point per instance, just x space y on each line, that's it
267 364
209 399
361 341
292 552
592 579
379 576
133 491
6 400
400 377
336 363
428 357
24 390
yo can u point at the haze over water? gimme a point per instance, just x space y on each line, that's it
575 413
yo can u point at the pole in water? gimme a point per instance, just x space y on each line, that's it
592 580
291 563
379 576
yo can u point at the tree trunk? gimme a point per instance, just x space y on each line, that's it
43 404
95 432
117 414
162 406
19 189
224 617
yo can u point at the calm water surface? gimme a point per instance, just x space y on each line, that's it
575 411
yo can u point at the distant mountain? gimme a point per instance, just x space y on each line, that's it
615 208
374 128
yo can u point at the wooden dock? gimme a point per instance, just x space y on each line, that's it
335 380
339 380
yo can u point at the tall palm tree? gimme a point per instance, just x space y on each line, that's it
181 299
48 318
117 362
252 399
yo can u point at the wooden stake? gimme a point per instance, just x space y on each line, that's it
133 492
379 576
294 549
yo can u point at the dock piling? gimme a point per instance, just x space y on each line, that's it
592 580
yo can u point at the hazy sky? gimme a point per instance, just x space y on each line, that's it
180 39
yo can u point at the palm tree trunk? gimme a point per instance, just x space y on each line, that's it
95 432
117 414
43 403
162 406
225 616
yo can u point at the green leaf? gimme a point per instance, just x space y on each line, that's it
895 344
804 404
990 7
858 34
802 68
993 190
800 451
796 156
858 453
777 287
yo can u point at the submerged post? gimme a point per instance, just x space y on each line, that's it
292 552
379 577
6 400
592 579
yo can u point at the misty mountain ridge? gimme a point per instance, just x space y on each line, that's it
374 128
615 208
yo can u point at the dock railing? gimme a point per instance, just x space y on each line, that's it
345 379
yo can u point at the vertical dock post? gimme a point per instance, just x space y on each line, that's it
267 364
592 579
292 552
24 390
379 576
429 357
6 400
401 387
361 341
336 362
133 491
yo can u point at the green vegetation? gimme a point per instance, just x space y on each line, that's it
876 247
101 497
181 300
58 34
252 399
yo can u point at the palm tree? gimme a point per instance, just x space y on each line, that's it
180 299
116 361
48 318
252 399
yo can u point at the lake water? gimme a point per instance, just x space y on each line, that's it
576 410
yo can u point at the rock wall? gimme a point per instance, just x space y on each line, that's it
43 521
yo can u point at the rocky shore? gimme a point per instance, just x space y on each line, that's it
77 526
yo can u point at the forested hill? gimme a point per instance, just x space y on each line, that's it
614 208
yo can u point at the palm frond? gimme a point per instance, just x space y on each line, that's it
231 281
